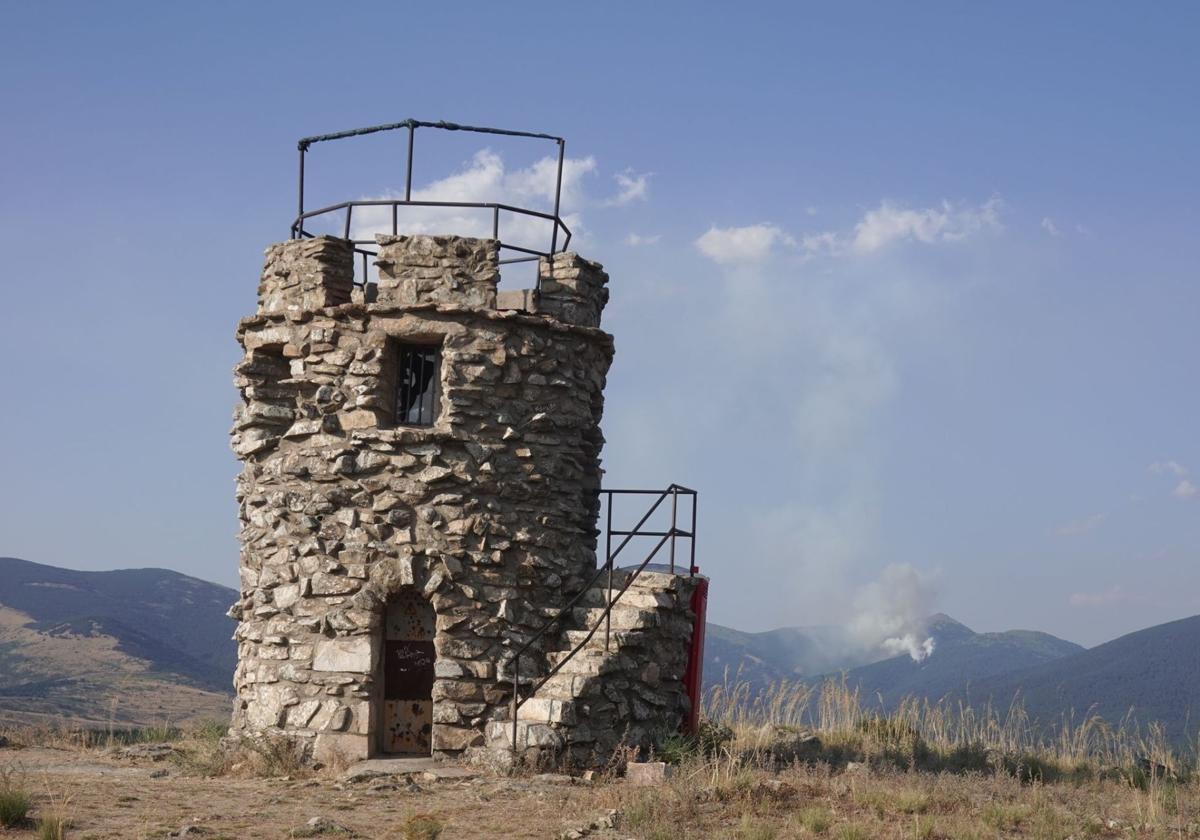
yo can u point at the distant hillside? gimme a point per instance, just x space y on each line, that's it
122 645
789 653
961 656
1154 672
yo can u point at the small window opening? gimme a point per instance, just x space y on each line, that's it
418 373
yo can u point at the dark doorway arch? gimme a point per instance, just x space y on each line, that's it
408 657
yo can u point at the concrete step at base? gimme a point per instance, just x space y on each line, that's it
634 597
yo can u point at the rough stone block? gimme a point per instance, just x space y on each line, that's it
351 655
341 747
572 289
647 773
519 300
438 269
306 274
454 738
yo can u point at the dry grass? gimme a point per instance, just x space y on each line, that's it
74 735
753 773
946 737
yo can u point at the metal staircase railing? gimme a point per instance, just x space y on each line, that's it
669 535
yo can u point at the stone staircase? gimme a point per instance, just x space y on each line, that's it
625 693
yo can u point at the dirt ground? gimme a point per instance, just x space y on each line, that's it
108 793
106 796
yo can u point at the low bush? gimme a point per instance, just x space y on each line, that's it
15 801
421 827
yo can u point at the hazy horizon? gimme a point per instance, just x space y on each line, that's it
907 295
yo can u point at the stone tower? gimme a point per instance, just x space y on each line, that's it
419 499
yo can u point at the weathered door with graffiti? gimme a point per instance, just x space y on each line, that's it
408 657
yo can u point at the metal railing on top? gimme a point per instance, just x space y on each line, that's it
364 246
669 535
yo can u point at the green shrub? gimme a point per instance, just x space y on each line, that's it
15 801
711 737
675 748
815 819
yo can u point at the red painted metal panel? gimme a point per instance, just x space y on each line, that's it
695 669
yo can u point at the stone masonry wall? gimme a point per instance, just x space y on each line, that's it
490 512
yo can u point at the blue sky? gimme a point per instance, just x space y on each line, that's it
907 285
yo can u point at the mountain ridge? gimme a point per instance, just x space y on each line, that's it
1153 673
138 645
132 645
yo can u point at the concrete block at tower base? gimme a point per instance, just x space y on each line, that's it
647 773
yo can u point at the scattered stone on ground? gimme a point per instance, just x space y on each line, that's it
609 821
154 752
647 772
317 826
189 831
789 746
772 789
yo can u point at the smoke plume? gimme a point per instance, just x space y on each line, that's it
892 612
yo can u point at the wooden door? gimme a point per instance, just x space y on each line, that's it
408 657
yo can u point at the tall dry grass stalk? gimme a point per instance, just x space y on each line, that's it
835 711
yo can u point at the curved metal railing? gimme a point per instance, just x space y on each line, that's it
559 234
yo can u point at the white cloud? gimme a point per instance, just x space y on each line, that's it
1185 488
750 244
886 225
817 243
484 178
890 223
631 187
821 337
1080 526
1050 228
1113 595
636 239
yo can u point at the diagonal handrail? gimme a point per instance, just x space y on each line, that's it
673 490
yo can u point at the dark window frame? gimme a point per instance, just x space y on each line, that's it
416 383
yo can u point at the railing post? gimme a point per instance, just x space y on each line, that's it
692 562
562 147
608 561
408 170
300 215
395 207
346 234
516 683
674 512
495 222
